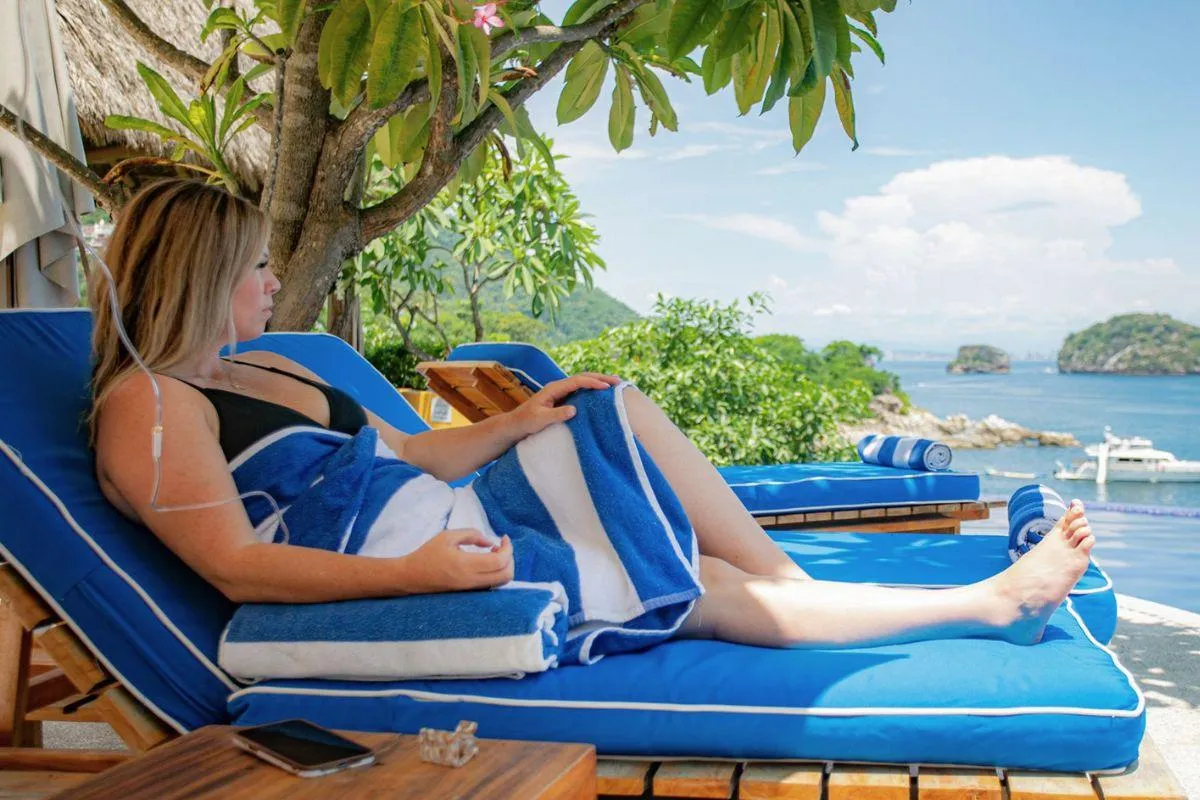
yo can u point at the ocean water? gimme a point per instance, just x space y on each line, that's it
1155 556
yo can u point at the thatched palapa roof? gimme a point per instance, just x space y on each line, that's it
102 61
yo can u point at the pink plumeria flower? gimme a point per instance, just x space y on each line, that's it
486 18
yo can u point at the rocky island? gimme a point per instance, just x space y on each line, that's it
1134 344
979 359
891 417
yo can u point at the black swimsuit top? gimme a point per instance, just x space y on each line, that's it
244 419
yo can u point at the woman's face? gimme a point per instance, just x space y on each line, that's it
252 301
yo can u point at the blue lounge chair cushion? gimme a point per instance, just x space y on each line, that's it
774 488
1064 704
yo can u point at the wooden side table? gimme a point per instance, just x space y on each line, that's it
206 764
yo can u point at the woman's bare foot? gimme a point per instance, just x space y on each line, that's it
1029 591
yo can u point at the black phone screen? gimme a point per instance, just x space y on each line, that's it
303 743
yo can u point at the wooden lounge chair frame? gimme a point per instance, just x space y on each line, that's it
482 389
47 673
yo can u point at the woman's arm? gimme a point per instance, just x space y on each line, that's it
219 543
451 453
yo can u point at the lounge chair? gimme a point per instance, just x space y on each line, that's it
135 634
484 378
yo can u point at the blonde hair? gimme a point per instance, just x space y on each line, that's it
179 249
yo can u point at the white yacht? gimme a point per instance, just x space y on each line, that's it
1132 459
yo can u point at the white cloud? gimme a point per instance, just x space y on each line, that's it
692 151
1008 250
792 166
758 226
894 152
837 309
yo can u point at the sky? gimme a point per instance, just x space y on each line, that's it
1027 168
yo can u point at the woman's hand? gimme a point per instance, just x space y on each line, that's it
543 410
442 565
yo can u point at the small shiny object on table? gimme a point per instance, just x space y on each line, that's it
206 764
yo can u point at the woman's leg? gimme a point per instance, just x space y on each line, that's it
724 528
777 612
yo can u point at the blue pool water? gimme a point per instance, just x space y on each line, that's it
1155 557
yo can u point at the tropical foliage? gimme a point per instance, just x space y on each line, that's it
516 227
425 85
738 402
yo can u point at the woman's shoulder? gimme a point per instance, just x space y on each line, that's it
134 398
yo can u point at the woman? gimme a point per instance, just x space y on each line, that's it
190 272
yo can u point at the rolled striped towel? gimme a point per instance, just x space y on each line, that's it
482 634
1032 513
906 452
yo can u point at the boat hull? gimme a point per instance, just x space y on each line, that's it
1087 472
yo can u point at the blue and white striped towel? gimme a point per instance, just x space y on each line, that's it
583 503
906 452
486 634
1033 511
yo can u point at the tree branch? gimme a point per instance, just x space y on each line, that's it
73 167
364 121
167 53
506 43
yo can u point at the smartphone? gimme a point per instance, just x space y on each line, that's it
303 748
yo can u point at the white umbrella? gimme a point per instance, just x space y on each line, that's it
37 252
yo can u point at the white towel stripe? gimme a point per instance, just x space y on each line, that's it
551 466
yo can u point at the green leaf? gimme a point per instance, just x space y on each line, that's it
351 51
716 72
467 71
275 41
326 45
501 102
752 68
380 7
290 14
529 134
691 23
730 5
803 113
583 10
120 122
870 41
845 104
164 95
621 115
868 21
736 29
655 96
394 53
220 19
647 23
482 51
433 58
825 34
585 77
219 71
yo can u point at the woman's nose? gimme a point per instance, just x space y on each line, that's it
273 284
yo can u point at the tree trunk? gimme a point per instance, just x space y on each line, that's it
344 317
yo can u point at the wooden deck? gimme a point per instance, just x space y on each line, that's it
801 781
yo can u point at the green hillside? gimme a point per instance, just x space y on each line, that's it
1134 344
583 315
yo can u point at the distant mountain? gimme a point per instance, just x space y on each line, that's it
1134 344
584 315
979 358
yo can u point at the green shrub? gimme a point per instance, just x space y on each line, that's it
736 400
